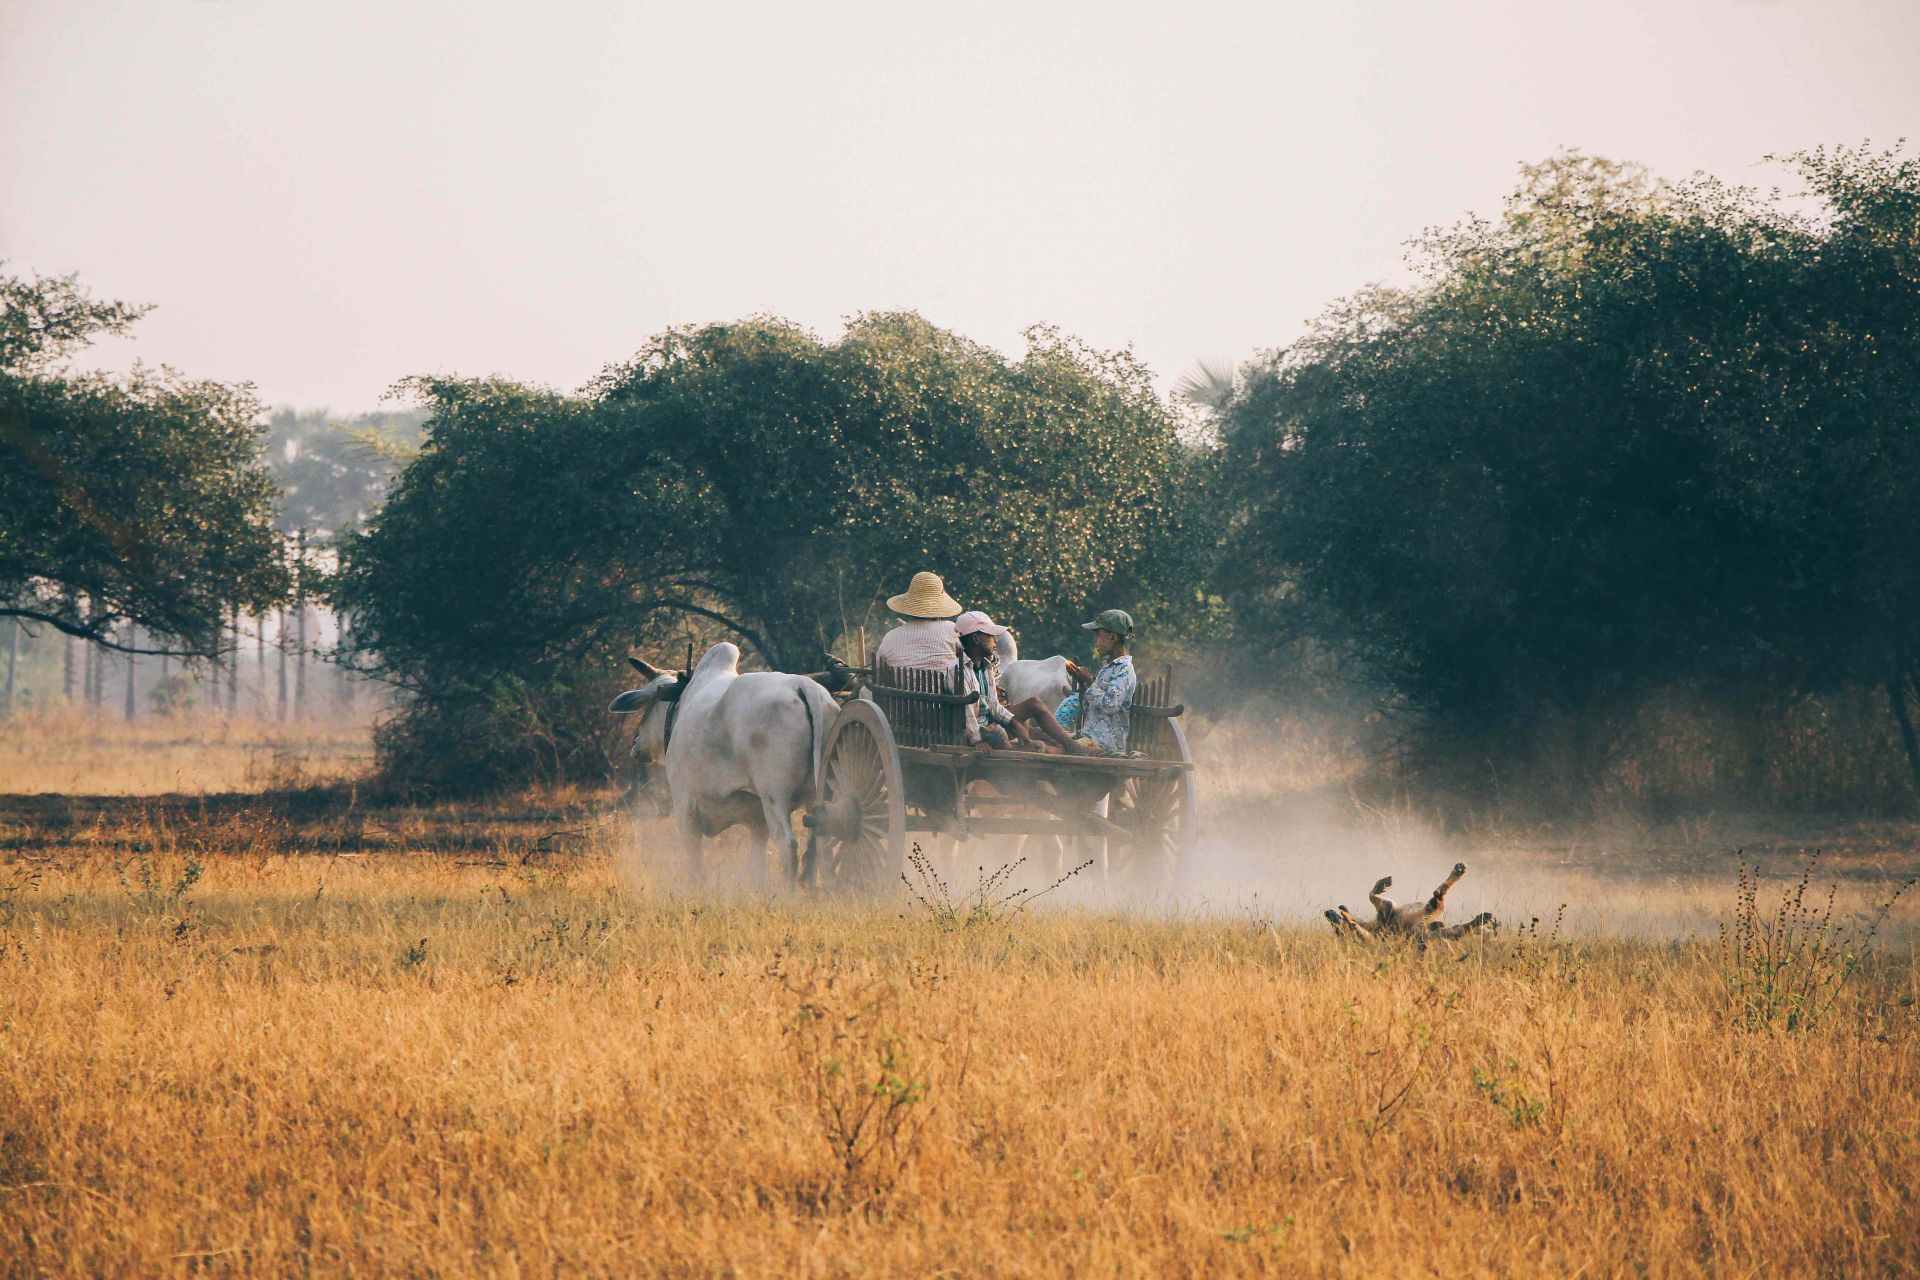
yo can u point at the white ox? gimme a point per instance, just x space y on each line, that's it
1042 678
737 748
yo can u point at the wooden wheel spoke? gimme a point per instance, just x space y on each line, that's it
864 787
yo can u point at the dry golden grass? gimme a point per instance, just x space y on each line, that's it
69 750
287 1034
514 1059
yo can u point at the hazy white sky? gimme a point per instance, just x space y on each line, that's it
323 197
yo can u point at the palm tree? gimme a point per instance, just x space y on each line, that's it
1207 386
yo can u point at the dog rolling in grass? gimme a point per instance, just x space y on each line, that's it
1417 920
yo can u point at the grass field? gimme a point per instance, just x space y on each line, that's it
282 1033
53 751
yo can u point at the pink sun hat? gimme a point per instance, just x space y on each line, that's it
973 620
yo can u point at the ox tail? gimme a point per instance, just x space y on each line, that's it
817 726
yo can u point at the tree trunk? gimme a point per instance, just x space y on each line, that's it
66 676
1899 675
260 665
343 689
133 666
233 666
13 660
280 643
300 625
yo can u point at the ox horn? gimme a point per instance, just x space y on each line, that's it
644 667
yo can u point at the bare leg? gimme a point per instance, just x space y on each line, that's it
810 861
1382 907
1482 921
1437 904
945 855
1033 713
1345 926
756 867
779 825
686 820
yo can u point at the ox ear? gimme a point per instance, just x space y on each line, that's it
644 667
631 700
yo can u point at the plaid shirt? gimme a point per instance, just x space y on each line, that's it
983 679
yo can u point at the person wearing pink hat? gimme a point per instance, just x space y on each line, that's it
1003 726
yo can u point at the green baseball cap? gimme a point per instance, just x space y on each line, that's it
1118 621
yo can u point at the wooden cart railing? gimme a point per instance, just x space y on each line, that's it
896 764
927 709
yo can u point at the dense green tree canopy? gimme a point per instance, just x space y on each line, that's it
138 499
775 486
1625 435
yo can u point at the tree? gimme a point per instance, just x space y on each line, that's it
334 473
1626 436
757 480
123 500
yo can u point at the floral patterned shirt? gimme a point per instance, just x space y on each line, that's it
1105 704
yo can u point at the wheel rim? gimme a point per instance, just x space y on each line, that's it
1153 810
863 822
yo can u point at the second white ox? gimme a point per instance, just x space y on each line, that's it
1042 678
738 748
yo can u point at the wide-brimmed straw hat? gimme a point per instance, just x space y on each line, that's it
973 620
925 597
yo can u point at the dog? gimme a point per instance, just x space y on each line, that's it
1418 920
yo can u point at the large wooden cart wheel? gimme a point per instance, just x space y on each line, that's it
1161 814
859 826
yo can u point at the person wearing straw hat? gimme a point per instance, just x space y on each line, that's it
925 639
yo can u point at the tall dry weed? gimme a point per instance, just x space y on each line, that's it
1788 967
876 1061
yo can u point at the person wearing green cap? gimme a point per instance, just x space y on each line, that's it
1101 706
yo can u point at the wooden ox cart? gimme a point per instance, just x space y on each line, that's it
896 765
